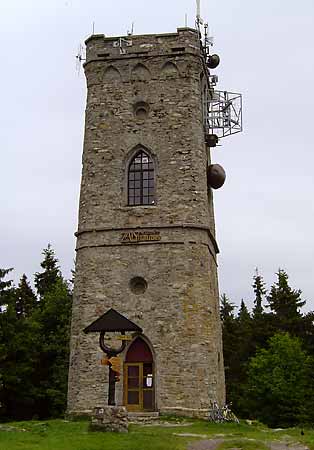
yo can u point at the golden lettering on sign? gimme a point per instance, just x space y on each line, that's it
140 236
125 338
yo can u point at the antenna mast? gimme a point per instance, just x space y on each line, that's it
198 11
80 57
222 109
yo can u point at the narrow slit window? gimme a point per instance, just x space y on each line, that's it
141 180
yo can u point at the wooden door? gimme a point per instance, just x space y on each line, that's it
139 386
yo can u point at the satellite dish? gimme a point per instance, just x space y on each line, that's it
213 61
211 140
216 176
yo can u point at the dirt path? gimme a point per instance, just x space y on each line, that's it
214 443
283 446
205 445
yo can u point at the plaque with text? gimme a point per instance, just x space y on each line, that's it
134 237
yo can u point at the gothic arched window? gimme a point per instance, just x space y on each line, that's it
141 180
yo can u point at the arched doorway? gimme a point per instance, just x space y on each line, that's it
139 385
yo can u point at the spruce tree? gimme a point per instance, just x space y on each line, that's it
18 341
244 315
5 287
244 333
285 304
53 319
5 292
34 343
226 310
230 347
262 323
245 349
51 274
260 291
25 299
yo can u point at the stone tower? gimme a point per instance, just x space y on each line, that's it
146 236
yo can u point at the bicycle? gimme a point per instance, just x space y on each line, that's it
219 415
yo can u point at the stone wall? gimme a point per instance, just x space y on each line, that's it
179 311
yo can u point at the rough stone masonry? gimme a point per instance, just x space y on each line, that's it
146 93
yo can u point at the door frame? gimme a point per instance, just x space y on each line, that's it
140 389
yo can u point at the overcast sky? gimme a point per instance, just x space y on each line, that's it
264 212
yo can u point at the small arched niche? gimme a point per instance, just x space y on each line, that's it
141 111
141 73
169 69
112 74
139 384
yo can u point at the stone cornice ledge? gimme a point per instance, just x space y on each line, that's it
137 227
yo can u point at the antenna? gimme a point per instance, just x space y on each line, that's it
186 20
122 43
223 109
93 28
199 20
79 58
198 10
130 33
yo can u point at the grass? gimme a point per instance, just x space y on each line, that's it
65 435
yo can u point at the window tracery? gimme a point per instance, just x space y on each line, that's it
141 180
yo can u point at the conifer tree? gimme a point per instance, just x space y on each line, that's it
260 291
51 274
25 299
34 344
4 284
18 342
244 315
245 349
285 304
228 328
244 332
262 323
4 288
226 310
53 318
230 347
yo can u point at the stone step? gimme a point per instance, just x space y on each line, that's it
143 416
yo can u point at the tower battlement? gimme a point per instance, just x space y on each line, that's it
101 47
